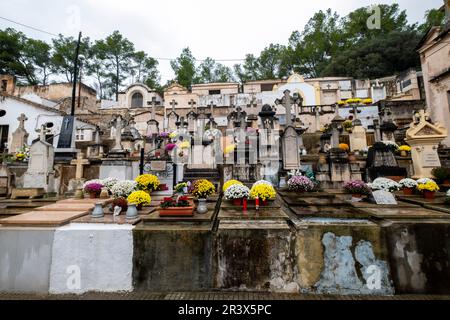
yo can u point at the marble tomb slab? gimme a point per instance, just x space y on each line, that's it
406 213
43 218
251 214
329 212
364 204
422 201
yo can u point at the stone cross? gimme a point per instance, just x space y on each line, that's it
173 104
97 135
212 105
22 120
192 103
42 132
355 111
287 101
376 129
153 103
79 162
252 103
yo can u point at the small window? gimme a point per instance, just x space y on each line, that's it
266 87
214 91
80 135
137 101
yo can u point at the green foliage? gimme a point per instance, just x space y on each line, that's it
184 68
433 17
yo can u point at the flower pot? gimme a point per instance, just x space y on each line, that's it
408 191
356 195
429 194
237 202
403 153
201 206
176 211
264 202
139 206
132 212
93 195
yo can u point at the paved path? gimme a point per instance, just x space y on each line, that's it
212 296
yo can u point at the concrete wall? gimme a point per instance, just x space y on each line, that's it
25 259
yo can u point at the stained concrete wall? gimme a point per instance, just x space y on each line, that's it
92 257
420 256
172 258
25 259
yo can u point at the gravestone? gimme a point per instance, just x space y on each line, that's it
384 197
291 157
424 138
40 173
78 182
20 136
358 139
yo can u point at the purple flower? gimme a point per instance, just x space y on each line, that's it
356 187
300 183
164 134
170 146
93 187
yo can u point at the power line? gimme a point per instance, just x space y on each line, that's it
161 59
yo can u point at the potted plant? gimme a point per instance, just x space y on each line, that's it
441 174
237 193
348 125
344 147
262 191
147 182
109 183
404 150
175 206
385 184
300 183
356 188
202 189
120 202
139 199
122 189
93 187
391 145
408 186
428 187
229 183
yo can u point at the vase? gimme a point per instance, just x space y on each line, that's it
403 153
176 211
237 202
201 206
408 191
429 194
132 212
98 211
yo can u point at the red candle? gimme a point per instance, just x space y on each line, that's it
257 203
244 204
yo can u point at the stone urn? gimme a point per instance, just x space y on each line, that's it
201 206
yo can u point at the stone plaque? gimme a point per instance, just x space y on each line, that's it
384 197
430 159
158 165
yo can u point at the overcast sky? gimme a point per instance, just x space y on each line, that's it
221 29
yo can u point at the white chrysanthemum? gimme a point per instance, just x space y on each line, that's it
123 188
385 184
424 180
236 191
109 182
408 183
262 182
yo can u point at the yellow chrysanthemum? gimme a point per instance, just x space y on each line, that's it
429 186
230 148
203 188
344 146
404 148
185 145
139 197
147 182
229 183
262 191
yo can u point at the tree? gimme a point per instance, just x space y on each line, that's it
433 17
97 68
63 57
145 69
249 70
118 53
184 68
377 57
211 71
223 73
271 62
38 54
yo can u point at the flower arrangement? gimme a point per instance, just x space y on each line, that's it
185 145
353 101
356 187
300 183
404 148
229 183
441 174
341 103
385 184
347 125
147 182
108 183
229 149
164 135
236 191
367 101
408 183
392 145
139 198
123 188
181 187
170 146
262 182
429 185
344 146
262 191
120 202
173 135
203 188
93 187
22 154
175 202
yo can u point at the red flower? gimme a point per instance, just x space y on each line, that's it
183 198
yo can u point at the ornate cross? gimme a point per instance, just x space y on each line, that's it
22 120
173 104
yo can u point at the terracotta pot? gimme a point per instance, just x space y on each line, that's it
264 202
93 195
356 195
237 202
176 211
408 191
429 194
139 206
